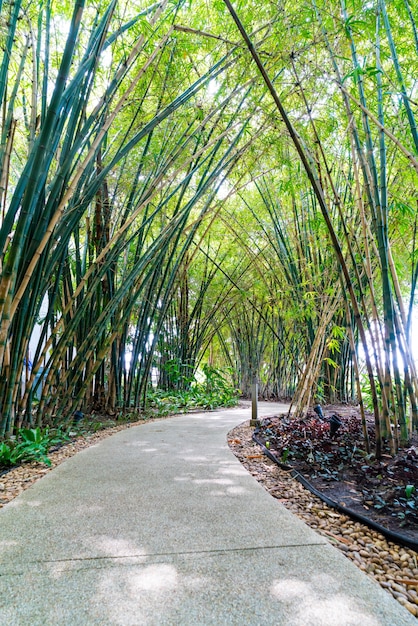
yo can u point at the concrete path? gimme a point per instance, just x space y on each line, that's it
161 525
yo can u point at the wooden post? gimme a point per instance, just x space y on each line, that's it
254 405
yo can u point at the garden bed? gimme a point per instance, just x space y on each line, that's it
393 566
384 490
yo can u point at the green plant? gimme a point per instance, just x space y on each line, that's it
367 392
214 391
31 444
320 392
6 454
285 455
409 490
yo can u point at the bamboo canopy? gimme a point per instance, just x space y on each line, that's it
183 184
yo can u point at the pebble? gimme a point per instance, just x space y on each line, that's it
20 478
368 549
383 560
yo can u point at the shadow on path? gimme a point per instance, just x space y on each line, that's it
161 525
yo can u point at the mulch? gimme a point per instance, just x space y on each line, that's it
383 490
394 567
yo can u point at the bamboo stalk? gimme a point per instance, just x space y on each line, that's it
321 201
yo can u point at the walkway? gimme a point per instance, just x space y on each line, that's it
160 525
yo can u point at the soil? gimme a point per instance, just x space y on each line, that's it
384 490
393 566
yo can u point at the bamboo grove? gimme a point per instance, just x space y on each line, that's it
227 183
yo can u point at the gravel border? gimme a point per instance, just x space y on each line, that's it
394 567
16 480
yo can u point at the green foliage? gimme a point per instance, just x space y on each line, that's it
216 390
31 444
285 455
320 392
149 196
213 392
367 394
409 490
174 370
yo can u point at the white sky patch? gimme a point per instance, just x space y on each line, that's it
212 88
223 190
106 57
414 334
414 344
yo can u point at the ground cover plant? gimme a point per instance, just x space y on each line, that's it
215 391
31 445
232 183
34 444
384 489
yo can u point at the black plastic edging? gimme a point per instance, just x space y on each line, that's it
389 534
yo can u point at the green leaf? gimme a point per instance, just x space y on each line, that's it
331 362
5 454
355 73
409 489
33 435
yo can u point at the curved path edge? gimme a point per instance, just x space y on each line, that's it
161 525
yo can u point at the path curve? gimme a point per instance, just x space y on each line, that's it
161 525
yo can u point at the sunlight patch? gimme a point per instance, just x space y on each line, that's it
290 589
128 597
236 491
213 481
310 610
234 471
154 578
113 547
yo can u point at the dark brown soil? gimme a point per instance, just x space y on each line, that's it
393 566
384 490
